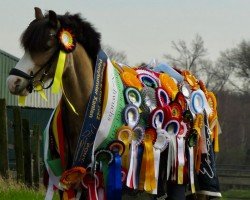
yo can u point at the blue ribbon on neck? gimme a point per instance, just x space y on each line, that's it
114 186
92 116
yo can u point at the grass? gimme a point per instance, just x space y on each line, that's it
236 194
10 189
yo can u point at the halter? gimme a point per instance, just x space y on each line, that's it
31 77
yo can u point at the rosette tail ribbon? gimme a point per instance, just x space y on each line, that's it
135 158
114 186
148 162
91 183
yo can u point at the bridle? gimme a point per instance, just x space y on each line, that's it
66 46
31 77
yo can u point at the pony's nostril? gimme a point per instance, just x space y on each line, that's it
17 82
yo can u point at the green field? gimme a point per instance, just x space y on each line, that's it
10 190
236 194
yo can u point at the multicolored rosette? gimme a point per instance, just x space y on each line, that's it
131 115
147 80
162 97
124 134
160 145
132 96
148 77
66 40
157 118
117 146
149 101
135 157
197 104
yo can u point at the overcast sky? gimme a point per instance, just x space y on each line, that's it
143 29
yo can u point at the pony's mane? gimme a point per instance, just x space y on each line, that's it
35 37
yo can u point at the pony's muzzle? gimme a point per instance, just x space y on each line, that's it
17 85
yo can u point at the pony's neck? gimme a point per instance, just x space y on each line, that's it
78 80
77 85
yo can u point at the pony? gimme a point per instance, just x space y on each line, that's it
74 42
40 43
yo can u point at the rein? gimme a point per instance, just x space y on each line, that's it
31 77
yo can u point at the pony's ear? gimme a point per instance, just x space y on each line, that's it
52 18
38 13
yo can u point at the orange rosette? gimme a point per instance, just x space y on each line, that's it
213 105
129 69
190 78
72 177
150 135
180 98
198 122
203 87
131 80
169 85
67 40
148 160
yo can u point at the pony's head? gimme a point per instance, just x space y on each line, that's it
42 42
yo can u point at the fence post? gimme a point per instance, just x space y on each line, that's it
36 155
3 140
18 143
27 153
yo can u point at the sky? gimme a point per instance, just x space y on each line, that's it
143 29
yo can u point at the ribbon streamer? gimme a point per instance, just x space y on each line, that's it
59 71
21 100
114 185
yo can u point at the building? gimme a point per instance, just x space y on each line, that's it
37 110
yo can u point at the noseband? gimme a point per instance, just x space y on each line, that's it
31 77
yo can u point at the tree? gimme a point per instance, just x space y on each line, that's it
237 62
113 54
188 57
193 58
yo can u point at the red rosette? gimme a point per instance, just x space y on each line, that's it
143 70
176 110
167 113
90 179
162 97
